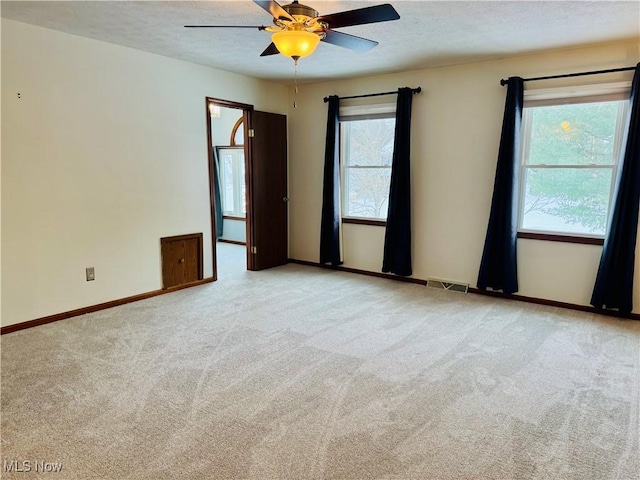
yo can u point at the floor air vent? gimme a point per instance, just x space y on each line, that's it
447 285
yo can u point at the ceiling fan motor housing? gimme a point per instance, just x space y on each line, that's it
296 8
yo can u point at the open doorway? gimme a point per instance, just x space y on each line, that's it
265 205
228 156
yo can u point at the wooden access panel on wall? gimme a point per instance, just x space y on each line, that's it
181 259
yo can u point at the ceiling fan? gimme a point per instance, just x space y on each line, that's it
297 29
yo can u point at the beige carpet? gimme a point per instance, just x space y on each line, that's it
304 373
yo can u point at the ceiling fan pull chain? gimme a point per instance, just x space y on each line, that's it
295 81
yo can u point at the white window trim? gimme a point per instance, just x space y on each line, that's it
363 111
577 94
564 96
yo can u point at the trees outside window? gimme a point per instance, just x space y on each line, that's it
570 155
366 154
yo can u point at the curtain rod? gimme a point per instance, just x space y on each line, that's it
503 82
414 90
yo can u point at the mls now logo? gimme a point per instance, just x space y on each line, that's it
24 466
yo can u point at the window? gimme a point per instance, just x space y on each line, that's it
232 186
570 154
366 151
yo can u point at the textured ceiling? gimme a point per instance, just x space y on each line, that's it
428 34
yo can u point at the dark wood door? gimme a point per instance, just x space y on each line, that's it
181 259
269 211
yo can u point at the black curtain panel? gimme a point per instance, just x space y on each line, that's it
498 269
614 282
397 238
330 226
217 182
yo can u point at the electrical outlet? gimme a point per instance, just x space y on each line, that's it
91 274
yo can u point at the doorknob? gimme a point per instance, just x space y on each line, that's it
285 199
181 260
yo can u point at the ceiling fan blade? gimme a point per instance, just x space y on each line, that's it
270 50
274 9
351 42
360 16
259 27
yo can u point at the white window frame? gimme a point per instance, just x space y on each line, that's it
354 114
563 96
237 154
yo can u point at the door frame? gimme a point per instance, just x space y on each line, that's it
247 115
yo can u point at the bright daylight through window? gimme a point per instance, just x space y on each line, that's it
366 152
570 155
232 178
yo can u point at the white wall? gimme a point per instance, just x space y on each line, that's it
234 230
456 126
104 153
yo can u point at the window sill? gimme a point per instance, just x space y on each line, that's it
365 221
561 238
232 217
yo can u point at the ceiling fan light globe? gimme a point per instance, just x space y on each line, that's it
295 43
